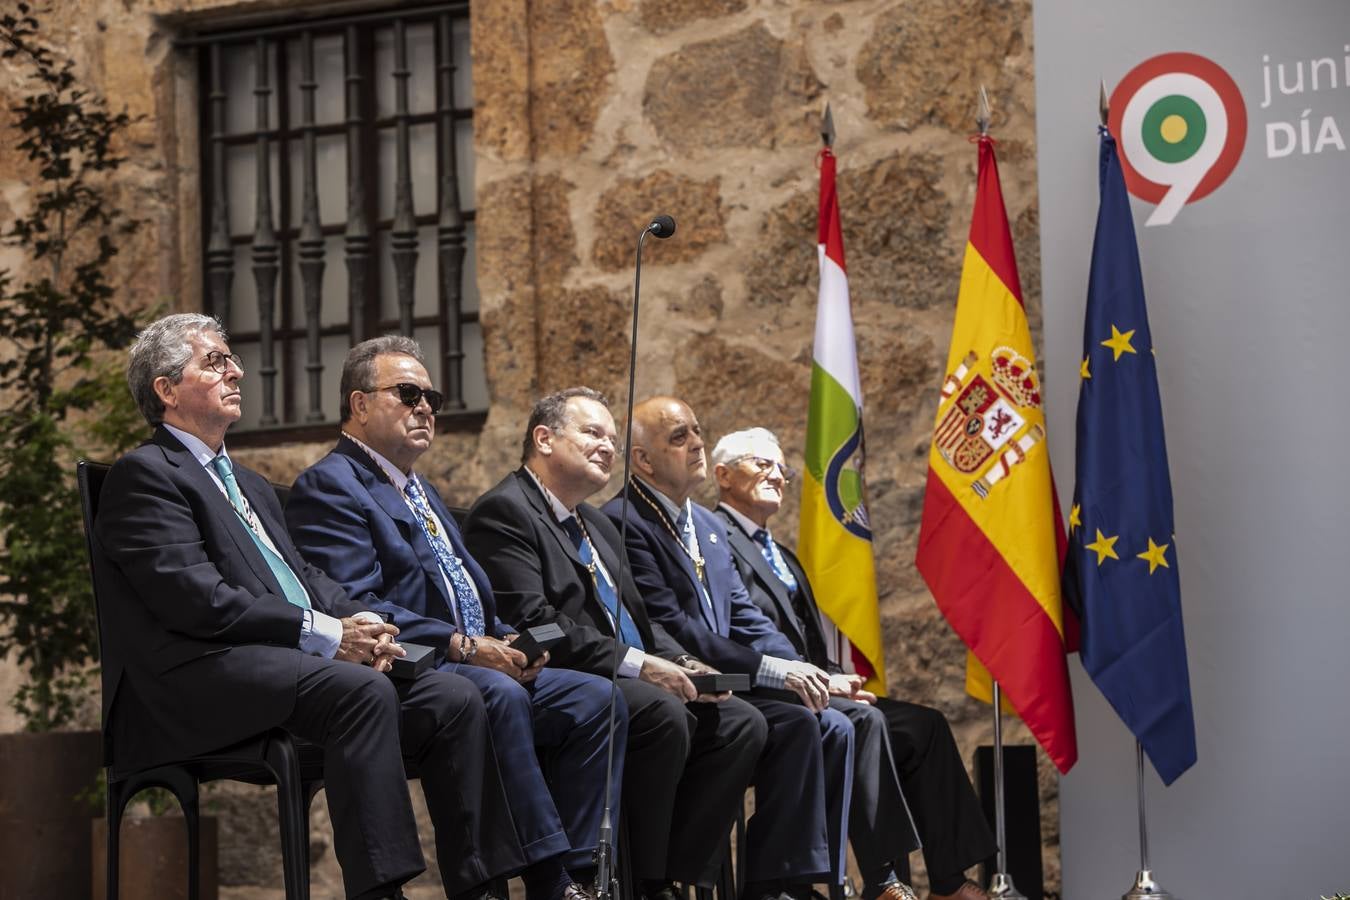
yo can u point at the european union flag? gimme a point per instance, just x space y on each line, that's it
1121 571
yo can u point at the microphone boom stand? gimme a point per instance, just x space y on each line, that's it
606 884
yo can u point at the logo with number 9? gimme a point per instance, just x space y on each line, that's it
1181 125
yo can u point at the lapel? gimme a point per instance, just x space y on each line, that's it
745 547
544 511
648 507
181 458
390 501
471 567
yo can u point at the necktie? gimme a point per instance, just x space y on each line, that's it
470 606
775 559
290 585
609 598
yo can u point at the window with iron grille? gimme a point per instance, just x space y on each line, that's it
337 189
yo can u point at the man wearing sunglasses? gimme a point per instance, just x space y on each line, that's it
382 531
894 738
215 630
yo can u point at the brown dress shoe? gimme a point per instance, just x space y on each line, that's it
968 891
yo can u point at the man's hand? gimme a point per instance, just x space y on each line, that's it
668 677
809 683
702 668
850 687
386 651
494 653
360 638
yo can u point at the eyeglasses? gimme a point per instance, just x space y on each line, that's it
764 466
220 362
591 437
411 394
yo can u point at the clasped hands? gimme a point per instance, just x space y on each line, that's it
673 678
497 653
815 687
369 641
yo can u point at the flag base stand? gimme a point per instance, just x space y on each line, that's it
1145 888
1000 884
1001 887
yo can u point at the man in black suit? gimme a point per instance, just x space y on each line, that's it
216 629
751 476
690 586
552 558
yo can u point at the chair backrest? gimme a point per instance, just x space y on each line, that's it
89 477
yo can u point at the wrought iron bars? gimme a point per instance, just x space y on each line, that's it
311 235
450 221
266 252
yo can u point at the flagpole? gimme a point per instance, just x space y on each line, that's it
1145 888
1001 885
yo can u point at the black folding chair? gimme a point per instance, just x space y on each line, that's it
271 758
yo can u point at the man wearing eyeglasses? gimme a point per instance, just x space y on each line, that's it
382 531
215 629
689 584
911 741
555 559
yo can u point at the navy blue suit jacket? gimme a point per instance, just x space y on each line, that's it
734 634
348 519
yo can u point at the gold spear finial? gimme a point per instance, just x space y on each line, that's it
827 126
1104 105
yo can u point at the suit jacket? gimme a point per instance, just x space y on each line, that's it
795 614
180 580
734 635
348 518
540 578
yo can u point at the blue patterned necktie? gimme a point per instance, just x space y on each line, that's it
470 606
608 597
290 585
775 559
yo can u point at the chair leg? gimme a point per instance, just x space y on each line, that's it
116 803
292 817
184 787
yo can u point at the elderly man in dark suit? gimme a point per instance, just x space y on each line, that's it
553 558
751 476
690 586
216 629
381 531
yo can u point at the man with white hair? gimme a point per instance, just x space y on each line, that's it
751 476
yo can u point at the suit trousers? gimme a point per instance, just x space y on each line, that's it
551 739
360 717
950 820
879 825
787 838
685 778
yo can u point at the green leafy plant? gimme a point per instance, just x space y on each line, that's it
57 320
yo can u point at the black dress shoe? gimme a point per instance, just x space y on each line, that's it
574 891
667 891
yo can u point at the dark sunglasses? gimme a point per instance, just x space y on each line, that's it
220 362
411 394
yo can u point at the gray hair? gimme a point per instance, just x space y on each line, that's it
740 444
358 371
551 411
163 349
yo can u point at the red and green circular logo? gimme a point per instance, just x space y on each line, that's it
1181 124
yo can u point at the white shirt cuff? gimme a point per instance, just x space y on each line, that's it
772 672
321 635
631 664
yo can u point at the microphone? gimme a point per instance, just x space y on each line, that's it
662 227
606 885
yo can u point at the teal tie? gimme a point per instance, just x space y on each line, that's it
290 585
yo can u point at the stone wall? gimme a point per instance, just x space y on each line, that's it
593 115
